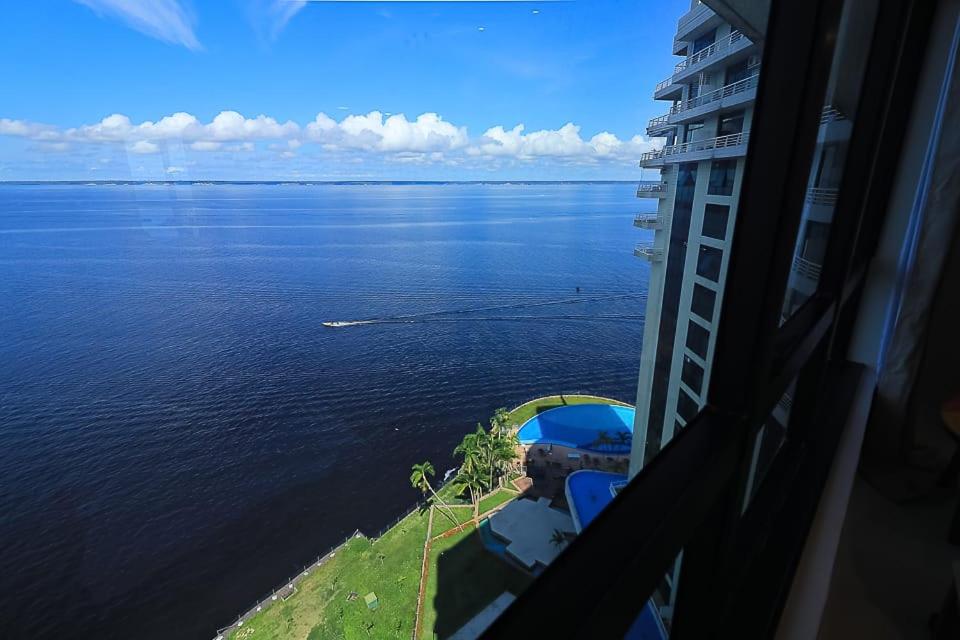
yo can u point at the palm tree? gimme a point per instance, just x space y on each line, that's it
469 480
603 439
420 479
500 422
624 438
471 473
559 538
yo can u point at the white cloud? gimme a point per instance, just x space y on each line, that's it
144 146
279 12
427 139
165 20
173 169
564 142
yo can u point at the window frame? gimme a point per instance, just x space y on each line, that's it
738 564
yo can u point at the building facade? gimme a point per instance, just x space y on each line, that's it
711 93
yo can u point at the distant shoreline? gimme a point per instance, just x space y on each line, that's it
306 182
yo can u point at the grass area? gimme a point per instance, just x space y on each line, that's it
496 499
464 578
526 411
442 524
389 566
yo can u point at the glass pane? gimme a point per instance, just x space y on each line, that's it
708 262
711 95
715 221
827 168
697 339
704 302
767 443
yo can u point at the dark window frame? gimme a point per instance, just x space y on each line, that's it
738 565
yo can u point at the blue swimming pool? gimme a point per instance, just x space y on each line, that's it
579 426
588 492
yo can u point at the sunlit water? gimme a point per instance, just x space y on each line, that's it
178 431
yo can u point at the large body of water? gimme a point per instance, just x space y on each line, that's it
178 431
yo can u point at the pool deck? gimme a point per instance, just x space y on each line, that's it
527 526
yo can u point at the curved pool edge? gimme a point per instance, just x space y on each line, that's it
562 442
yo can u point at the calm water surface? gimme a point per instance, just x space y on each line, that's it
179 433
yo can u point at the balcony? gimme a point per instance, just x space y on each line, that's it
667 90
716 52
658 190
722 146
822 196
806 268
696 19
660 124
648 252
653 222
740 91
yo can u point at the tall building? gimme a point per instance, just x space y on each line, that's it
711 92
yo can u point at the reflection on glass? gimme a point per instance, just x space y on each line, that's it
827 168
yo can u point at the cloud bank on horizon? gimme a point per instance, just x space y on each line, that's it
426 139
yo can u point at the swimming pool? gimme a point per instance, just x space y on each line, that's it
579 426
588 492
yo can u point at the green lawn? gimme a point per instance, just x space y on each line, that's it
389 566
442 524
496 499
464 578
526 411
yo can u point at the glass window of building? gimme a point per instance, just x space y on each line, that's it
693 132
687 407
722 175
703 302
697 339
708 262
730 124
737 72
692 375
704 41
715 218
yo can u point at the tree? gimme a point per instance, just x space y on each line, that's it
559 538
420 479
624 438
469 480
500 422
603 439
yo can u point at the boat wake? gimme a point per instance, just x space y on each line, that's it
461 315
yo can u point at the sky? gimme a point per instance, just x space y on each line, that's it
330 90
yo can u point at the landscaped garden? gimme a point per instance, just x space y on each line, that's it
460 576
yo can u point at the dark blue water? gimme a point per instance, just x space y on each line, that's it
178 431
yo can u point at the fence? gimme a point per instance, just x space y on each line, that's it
289 586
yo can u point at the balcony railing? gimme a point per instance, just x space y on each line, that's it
716 48
720 142
692 15
649 252
831 113
657 190
806 268
718 94
822 196
658 121
663 84
648 221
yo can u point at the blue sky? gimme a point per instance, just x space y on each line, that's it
120 89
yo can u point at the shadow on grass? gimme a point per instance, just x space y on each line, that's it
467 577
